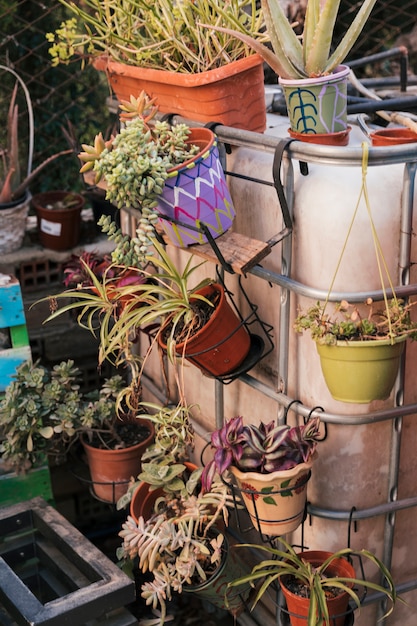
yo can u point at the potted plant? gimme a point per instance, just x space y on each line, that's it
360 346
183 550
317 585
165 461
271 464
159 47
170 173
312 75
181 317
14 185
59 218
43 413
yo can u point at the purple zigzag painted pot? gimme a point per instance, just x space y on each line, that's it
196 192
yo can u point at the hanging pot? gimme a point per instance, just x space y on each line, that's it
196 192
232 95
361 371
338 606
13 223
276 501
59 228
222 344
111 470
318 105
216 590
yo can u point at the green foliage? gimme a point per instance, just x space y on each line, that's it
134 165
285 562
347 322
179 543
159 35
310 54
43 411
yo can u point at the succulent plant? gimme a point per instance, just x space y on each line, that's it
265 448
134 165
44 412
359 323
178 544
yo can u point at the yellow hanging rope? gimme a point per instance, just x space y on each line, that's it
380 259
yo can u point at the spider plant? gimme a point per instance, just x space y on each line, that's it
285 563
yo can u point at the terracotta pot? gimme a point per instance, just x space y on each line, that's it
196 192
222 344
338 606
340 138
232 95
111 470
276 501
59 229
318 105
143 499
361 371
13 223
393 136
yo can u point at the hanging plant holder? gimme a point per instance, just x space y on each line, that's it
260 336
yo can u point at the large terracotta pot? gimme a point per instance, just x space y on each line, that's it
111 470
196 192
317 105
276 501
232 95
361 371
338 607
222 344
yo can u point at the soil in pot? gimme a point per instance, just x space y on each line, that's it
297 595
218 342
59 218
112 469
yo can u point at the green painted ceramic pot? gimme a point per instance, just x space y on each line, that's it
317 105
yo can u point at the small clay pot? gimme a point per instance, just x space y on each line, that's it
393 136
340 138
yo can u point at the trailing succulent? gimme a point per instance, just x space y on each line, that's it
265 448
135 163
348 321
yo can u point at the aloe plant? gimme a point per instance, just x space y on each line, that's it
310 55
13 183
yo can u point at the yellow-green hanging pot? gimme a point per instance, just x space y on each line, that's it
361 371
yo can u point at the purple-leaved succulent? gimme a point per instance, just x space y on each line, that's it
264 448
